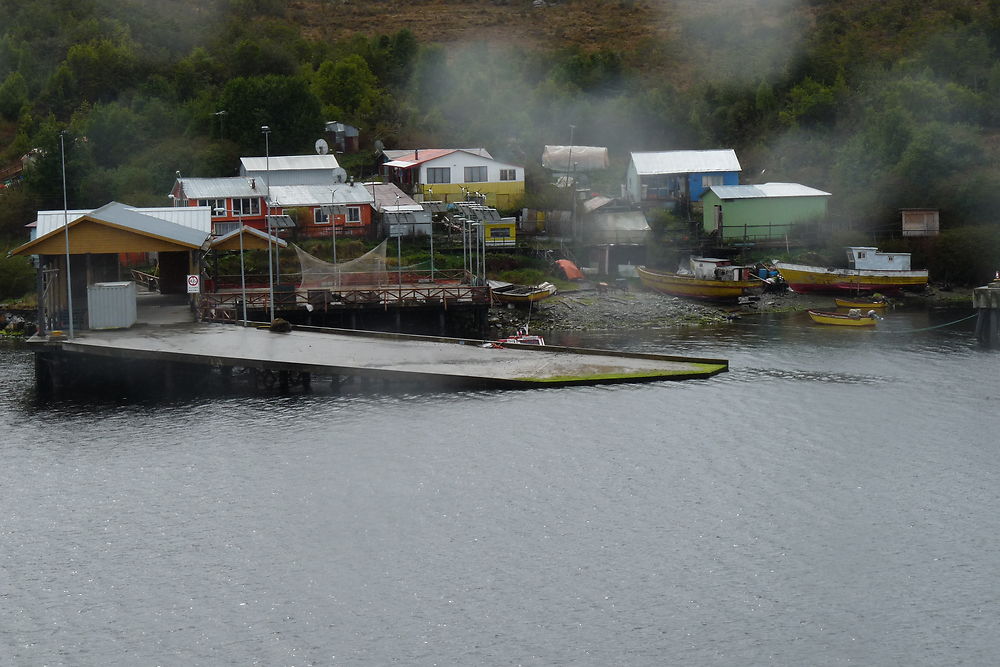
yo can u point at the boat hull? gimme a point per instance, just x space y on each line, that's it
854 303
689 286
524 295
801 278
839 319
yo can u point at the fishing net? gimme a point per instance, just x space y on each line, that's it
369 269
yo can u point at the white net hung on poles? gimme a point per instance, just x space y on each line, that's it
369 269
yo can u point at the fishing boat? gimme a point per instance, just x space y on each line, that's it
511 293
852 319
704 278
860 303
869 271
522 337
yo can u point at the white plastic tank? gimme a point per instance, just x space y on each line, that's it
111 305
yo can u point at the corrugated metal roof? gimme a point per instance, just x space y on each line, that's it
193 217
318 195
596 202
685 162
387 194
421 155
766 190
125 216
219 188
289 162
222 240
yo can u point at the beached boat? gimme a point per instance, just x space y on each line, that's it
860 303
511 293
869 271
707 278
522 337
853 319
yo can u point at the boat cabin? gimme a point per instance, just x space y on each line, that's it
711 268
866 258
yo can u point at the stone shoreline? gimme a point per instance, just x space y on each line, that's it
586 309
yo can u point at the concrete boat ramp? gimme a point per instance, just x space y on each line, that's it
429 361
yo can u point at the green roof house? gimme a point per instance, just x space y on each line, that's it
762 212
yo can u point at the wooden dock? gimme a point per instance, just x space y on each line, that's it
428 361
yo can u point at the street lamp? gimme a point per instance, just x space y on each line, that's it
399 251
266 131
430 191
69 279
222 129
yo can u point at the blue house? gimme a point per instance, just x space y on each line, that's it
669 178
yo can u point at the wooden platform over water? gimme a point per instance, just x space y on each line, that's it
389 357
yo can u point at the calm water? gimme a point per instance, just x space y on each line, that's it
832 500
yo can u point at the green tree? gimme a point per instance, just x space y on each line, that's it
13 96
284 103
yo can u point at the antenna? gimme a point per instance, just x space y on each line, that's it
322 148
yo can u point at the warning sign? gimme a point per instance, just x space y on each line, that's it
194 284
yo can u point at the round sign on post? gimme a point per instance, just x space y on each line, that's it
194 284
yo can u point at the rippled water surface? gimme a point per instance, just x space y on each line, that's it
833 499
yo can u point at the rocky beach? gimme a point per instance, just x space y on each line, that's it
588 309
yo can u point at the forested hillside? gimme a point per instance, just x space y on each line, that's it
886 105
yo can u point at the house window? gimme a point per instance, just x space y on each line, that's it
223 228
320 216
475 174
708 180
439 174
354 215
218 206
508 174
246 206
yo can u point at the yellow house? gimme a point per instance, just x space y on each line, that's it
450 174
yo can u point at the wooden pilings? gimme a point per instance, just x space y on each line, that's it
986 301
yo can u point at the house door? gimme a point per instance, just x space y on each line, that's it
717 215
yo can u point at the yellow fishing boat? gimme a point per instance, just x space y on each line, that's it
869 271
853 319
707 278
510 293
859 303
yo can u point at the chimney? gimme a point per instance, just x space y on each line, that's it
253 183
416 154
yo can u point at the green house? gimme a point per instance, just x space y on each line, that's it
763 212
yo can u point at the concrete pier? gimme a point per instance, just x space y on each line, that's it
393 358
986 301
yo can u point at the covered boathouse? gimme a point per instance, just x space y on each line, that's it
94 241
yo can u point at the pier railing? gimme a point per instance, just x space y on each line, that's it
229 305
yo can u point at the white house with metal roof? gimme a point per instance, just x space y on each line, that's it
765 212
669 178
450 174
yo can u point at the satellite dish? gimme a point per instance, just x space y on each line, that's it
322 148
379 146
